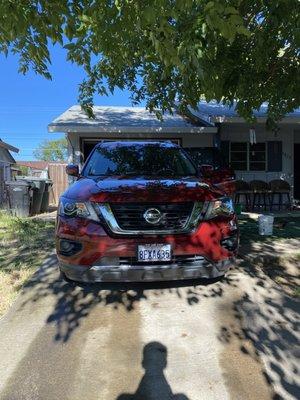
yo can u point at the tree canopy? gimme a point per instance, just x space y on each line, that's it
52 150
166 52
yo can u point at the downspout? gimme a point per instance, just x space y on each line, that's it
217 135
72 147
70 178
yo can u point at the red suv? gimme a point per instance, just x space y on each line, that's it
139 211
213 167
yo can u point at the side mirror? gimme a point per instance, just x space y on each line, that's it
72 170
205 169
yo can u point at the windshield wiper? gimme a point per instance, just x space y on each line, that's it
136 173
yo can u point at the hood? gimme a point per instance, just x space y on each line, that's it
140 189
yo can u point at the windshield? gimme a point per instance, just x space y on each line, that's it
149 160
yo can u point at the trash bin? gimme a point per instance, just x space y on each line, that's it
38 187
265 225
46 195
19 197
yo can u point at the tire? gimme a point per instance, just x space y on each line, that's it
64 277
215 280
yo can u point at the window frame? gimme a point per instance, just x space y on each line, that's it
248 161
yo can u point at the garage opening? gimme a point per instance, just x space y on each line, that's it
88 147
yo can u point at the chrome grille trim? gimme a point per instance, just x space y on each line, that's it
197 214
180 260
131 216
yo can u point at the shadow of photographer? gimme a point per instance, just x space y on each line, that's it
154 385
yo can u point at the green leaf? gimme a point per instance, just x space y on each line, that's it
243 31
231 10
164 51
149 14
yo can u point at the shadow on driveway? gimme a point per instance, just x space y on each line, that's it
75 301
265 316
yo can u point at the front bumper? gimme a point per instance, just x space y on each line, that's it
200 268
100 257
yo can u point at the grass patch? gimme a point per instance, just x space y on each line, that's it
24 244
284 228
281 268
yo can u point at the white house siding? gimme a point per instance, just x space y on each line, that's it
188 140
240 133
5 171
5 175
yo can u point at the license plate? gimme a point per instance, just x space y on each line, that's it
154 252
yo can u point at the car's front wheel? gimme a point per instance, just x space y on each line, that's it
64 277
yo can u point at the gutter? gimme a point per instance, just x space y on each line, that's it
259 120
85 128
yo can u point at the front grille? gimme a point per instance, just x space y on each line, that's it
182 260
130 216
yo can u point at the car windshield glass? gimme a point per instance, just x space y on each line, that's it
150 160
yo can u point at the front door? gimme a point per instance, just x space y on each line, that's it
297 171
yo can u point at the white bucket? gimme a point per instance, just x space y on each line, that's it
265 225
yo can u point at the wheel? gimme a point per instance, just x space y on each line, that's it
64 277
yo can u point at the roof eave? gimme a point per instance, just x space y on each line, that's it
8 147
75 128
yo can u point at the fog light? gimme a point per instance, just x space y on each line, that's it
230 243
69 248
66 246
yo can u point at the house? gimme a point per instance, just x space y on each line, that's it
252 150
134 123
255 152
6 162
34 168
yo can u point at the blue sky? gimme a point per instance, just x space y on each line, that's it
29 102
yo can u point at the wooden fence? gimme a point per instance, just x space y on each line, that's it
57 173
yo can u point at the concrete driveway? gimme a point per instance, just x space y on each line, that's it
235 339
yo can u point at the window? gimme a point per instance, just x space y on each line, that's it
238 156
248 157
257 157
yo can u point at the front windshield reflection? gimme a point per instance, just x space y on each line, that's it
133 160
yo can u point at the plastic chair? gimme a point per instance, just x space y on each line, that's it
261 192
243 190
281 188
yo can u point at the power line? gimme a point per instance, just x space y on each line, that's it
22 137
12 136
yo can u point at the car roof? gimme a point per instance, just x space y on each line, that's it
123 143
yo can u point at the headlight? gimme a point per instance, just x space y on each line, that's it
222 207
71 208
197 214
